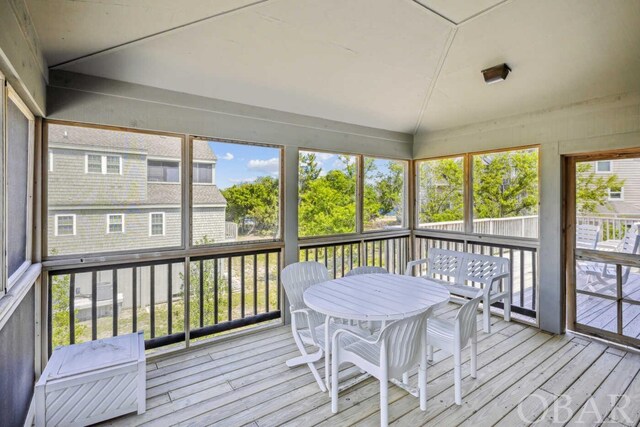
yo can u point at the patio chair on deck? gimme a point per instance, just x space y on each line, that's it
601 277
587 236
398 348
307 325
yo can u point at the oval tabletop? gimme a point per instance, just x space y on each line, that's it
375 296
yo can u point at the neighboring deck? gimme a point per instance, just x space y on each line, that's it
245 381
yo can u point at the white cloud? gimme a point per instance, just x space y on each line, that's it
227 156
242 180
268 166
324 156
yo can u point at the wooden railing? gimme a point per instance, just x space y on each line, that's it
519 226
340 256
611 227
222 292
523 264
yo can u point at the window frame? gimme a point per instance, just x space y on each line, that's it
468 216
359 229
213 173
56 225
597 162
615 199
103 164
163 160
10 95
109 216
164 224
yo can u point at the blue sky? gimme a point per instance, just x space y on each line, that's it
239 163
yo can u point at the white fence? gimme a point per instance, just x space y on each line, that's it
519 226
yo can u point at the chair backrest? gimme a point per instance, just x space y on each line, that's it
296 278
465 319
367 270
630 241
587 236
444 262
482 268
402 343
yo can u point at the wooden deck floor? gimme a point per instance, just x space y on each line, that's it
522 372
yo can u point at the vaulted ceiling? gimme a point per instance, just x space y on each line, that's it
400 65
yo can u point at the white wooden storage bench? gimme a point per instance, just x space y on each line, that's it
91 382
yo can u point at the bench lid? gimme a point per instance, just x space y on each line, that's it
76 359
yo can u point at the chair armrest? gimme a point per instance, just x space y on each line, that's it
414 263
358 336
495 279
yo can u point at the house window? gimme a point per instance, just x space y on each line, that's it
114 164
65 225
203 173
156 224
616 193
96 163
163 171
604 166
115 223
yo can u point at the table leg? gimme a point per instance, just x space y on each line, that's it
327 352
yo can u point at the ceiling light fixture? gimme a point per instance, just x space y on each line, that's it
496 73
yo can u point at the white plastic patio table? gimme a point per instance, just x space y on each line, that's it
373 297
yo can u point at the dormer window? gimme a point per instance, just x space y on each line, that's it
203 173
163 171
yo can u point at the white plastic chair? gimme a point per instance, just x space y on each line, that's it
367 270
398 348
307 325
587 236
454 335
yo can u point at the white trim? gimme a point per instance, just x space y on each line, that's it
50 160
96 149
603 161
138 208
615 199
56 225
213 174
103 164
164 224
109 216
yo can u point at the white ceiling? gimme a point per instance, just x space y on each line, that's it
391 64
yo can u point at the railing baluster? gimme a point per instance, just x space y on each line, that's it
306 254
534 281
169 298
341 259
522 284
380 253
242 284
386 254
278 285
201 291
229 289
255 282
114 297
266 283
152 297
72 308
94 305
335 272
216 302
134 298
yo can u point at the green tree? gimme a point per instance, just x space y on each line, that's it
308 170
256 201
60 287
505 184
441 184
592 190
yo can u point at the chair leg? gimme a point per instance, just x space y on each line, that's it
507 308
486 313
334 382
474 353
309 361
430 353
457 375
384 401
405 378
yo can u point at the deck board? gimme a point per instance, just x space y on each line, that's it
521 372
